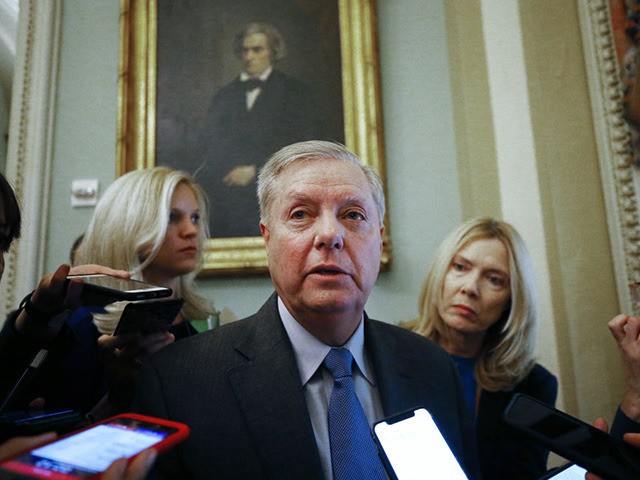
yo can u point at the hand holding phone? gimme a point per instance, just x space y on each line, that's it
92 450
573 439
412 447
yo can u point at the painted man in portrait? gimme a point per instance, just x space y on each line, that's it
258 113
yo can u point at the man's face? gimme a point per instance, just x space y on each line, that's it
256 54
324 242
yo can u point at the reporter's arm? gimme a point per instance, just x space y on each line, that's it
121 357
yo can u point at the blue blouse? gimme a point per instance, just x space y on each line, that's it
466 368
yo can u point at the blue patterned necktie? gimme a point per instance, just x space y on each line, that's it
353 453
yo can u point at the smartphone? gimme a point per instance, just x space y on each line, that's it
120 288
148 317
89 452
33 422
570 471
412 447
573 439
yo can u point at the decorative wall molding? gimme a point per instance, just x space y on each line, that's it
30 143
619 176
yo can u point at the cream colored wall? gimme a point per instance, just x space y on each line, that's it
578 258
576 224
475 145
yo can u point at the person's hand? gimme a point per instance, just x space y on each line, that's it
136 470
16 445
626 331
118 470
600 424
632 439
121 357
53 294
240 176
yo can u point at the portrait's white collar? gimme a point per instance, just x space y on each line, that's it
244 76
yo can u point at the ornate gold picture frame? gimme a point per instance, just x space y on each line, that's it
140 96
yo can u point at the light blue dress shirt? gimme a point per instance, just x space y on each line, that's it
318 382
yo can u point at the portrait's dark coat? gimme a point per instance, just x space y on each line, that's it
286 111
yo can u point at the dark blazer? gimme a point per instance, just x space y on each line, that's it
286 111
238 388
623 424
502 454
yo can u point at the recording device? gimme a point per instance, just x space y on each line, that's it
148 317
411 446
90 451
120 288
573 439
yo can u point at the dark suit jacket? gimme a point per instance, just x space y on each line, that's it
623 424
502 454
238 388
286 111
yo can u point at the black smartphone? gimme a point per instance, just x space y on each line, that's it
88 452
411 446
32 422
120 288
148 317
573 439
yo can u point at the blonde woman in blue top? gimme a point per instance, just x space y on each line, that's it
479 303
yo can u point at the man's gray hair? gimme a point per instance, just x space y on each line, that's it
312 150
275 40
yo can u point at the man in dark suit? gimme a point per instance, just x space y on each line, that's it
258 113
258 394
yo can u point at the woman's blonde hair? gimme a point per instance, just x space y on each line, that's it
128 228
508 350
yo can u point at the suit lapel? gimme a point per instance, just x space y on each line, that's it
272 399
394 373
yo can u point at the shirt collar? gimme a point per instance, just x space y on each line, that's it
244 76
310 351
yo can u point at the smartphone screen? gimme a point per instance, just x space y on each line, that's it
573 439
122 288
568 472
414 447
92 450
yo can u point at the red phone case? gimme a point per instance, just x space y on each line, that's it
178 433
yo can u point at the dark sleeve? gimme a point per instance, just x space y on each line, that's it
503 453
16 353
623 424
